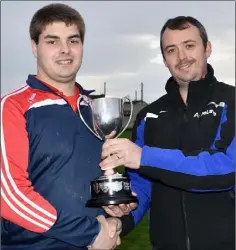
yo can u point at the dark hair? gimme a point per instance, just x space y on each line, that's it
55 13
181 23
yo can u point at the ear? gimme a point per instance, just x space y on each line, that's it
34 48
208 49
164 61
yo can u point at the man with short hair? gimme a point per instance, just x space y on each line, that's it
182 159
49 157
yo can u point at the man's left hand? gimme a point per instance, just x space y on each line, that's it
118 152
120 209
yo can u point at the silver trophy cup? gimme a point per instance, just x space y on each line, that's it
107 116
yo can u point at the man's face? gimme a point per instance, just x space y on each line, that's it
184 54
59 52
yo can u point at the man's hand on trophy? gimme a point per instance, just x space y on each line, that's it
122 152
108 237
121 209
111 135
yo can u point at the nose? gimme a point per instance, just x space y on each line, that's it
181 54
65 48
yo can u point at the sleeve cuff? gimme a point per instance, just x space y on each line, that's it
94 238
127 224
148 161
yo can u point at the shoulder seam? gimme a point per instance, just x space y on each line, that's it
15 92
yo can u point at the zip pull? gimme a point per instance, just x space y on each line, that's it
185 114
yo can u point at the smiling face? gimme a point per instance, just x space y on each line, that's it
59 53
184 54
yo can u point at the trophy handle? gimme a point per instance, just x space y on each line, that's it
81 117
131 113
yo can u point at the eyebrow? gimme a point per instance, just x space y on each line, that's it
173 45
57 37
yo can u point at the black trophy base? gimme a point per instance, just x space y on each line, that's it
110 190
110 201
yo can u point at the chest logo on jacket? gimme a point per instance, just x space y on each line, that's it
210 111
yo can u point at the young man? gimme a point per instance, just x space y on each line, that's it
49 157
181 163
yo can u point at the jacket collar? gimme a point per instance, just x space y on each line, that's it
35 83
197 90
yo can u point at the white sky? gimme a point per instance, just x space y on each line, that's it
121 44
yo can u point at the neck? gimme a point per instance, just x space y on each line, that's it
183 90
67 88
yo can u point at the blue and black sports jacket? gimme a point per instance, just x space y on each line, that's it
49 158
187 174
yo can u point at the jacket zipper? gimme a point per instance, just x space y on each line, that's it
187 239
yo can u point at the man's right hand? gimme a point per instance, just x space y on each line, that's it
108 237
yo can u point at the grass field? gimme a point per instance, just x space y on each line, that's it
138 239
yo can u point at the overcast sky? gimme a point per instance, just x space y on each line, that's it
121 44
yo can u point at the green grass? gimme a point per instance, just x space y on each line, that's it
138 239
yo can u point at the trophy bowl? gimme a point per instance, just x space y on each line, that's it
107 116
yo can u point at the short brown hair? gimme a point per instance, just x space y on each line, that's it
181 23
55 13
